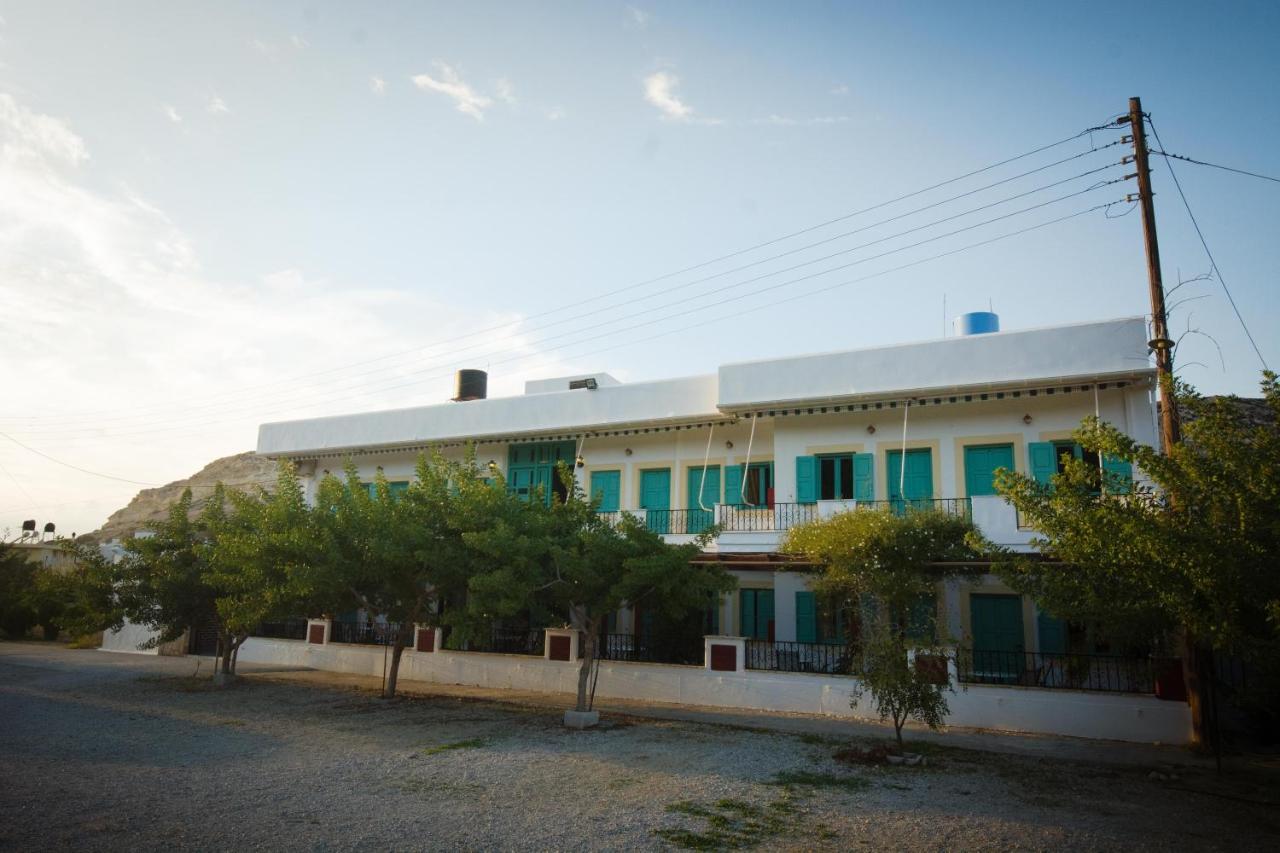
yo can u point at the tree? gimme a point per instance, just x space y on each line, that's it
83 596
397 554
1192 550
567 557
883 564
17 576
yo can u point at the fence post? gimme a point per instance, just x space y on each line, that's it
561 644
318 631
724 654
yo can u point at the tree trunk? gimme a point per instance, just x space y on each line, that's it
1196 689
389 690
588 653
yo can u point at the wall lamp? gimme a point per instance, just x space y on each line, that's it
871 429
1026 419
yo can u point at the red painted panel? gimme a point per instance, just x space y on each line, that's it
933 668
724 658
559 647
315 634
426 639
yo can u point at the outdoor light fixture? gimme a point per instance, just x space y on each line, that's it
1026 419
729 445
493 466
871 429
628 451
580 461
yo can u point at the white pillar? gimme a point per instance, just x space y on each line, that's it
724 654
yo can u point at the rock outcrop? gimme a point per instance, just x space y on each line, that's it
244 471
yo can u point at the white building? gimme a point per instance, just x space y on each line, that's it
760 446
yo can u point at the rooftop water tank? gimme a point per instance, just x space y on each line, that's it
977 323
471 385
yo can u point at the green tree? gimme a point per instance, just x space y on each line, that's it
83 594
397 555
902 688
17 576
566 557
1192 550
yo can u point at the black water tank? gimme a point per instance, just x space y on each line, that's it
471 385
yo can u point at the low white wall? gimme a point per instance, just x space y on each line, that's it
1127 717
128 639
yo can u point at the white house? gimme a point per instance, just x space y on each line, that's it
760 446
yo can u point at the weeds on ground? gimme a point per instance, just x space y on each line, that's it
820 740
731 823
810 779
469 743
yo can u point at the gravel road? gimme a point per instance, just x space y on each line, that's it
111 752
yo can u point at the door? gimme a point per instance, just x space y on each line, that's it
606 487
980 465
916 488
995 621
699 518
655 499
756 613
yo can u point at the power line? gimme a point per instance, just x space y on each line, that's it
136 412
74 467
1167 155
1212 263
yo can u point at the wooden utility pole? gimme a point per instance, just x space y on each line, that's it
1162 346
1170 432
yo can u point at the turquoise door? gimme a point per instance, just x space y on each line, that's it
756 613
917 487
655 499
995 621
980 464
606 487
700 519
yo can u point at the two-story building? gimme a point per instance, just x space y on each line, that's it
760 446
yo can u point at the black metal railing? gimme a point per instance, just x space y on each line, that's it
746 517
634 648
951 506
508 641
289 629
830 658
364 633
668 521
1105 673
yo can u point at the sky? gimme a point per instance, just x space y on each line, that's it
218 215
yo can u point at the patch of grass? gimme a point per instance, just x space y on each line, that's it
731 824
622 782
469 743
820 780
232 721
688 807
819 740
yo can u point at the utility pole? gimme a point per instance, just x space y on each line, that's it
1170 431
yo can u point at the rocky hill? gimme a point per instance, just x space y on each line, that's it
242 471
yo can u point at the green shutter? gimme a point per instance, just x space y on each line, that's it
1044 462
733 484
606 488
806 618
864 482
1119 475
1053 634
921 618
806 479
398 488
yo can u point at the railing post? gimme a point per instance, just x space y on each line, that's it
724 654
561 644
318 631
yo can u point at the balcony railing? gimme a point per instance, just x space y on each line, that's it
779 516
830 658
1105 673
289 629
645 649
501 641
672 521
898 506
744 517
364 633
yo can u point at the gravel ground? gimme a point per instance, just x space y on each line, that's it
106 752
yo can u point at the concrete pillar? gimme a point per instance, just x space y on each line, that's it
428 639
561 644
724 654
318 631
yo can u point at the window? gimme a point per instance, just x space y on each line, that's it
758 488
1063 451
835 477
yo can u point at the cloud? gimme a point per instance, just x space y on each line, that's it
216 105
172 114
502 88
637 17
299 43
659 90
555 114
840 90
377 85
788 121
465 99
28 135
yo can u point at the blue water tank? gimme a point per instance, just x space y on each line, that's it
977 323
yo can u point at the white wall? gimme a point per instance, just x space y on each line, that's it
1018 709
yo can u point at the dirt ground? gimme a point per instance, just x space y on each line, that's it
108 752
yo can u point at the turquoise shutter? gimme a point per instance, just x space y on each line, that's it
806 479
806 618
864 483
398 488
733 484
606 488
1044 463
1119 475
1053 634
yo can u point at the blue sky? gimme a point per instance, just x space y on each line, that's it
203 201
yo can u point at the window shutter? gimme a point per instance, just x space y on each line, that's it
1053 634
806 618
1119 475
864 482
806 479
1044 464
733 484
